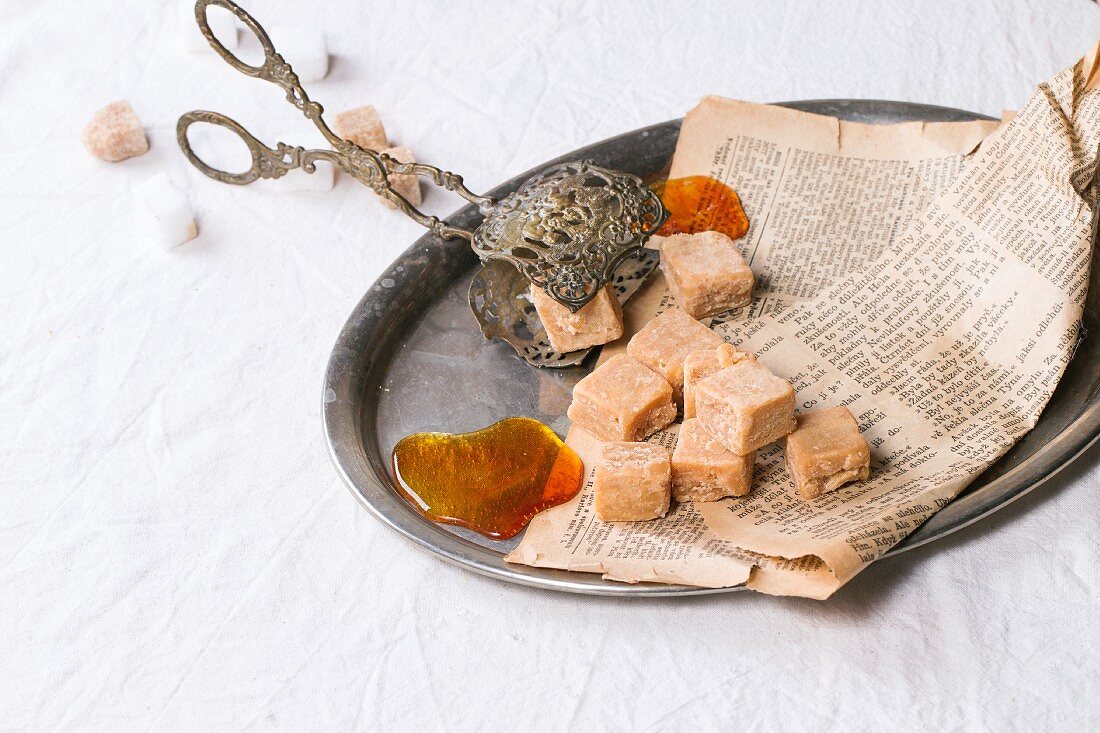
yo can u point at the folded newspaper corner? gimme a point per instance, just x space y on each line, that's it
931 284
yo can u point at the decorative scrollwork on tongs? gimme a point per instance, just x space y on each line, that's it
566 229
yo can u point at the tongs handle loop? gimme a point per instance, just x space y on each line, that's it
274 69
266 162
264 70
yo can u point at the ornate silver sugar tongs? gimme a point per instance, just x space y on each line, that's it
571 229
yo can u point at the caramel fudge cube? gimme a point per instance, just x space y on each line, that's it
699 365
706 273
406 184
632 482
745 407
362 126
622 400
115 133
664 343
702 470
599 321
827 451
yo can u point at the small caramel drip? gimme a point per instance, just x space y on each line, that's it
701 204
493 480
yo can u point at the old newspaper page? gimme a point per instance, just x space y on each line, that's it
938 298
825 197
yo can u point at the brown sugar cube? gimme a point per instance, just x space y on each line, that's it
699 365
632 482
827 451
664 343
115 133
599 321
622 400
706 273
745 407
362 126
406 184
702 470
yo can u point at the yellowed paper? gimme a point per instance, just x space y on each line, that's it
945 331
825 197
1091 68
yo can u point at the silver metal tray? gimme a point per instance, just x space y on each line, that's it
411 358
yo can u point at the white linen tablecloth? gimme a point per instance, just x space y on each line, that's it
176 551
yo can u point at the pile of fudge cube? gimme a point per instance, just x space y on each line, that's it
731 404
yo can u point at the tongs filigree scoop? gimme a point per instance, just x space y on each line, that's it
567 229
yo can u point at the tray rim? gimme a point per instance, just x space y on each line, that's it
1076 438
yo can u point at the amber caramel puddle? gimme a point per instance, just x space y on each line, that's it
701 204
492 480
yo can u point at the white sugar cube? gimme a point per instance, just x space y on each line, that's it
298 180
221 23
304 48
163 212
